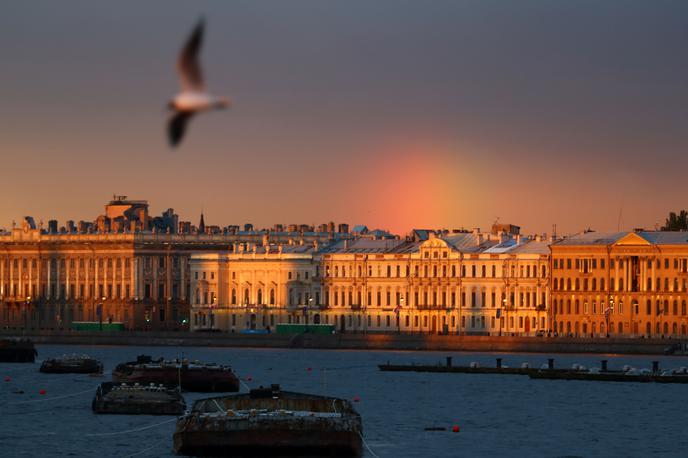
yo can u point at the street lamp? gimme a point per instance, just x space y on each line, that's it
398 310
500 315
99 311
212 317
26 312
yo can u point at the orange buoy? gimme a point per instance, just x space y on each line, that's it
455 428
356 399
42 391
8 379
309 369
249 378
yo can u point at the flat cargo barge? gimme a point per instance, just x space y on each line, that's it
190 376
72 364
122 398
17 351
473 368
268 422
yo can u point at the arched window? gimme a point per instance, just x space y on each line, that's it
260 297
234 297
272 297
246 295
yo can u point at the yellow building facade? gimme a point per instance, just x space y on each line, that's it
631 284
468 283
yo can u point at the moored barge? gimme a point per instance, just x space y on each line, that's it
72 364
191 376
270 422
122 398
17 351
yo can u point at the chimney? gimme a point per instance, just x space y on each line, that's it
518 239
266 240
346 244
315 245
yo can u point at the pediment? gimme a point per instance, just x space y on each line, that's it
632 239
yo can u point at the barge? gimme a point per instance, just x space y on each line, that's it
627 374
472 368
270 422
72 364
121 398
190 376
17 351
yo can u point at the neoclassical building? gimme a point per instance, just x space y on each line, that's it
125 267
463 282
620 284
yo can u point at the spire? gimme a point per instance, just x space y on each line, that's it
201 225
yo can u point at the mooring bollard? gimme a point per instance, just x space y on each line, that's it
499 363
449 361
550 363
603 363
655 367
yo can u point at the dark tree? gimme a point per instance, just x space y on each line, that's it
676 222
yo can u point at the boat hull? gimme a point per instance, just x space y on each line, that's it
268 442
56 366
17 351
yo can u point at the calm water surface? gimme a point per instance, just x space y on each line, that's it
498 415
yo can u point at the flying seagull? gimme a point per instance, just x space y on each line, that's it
193 98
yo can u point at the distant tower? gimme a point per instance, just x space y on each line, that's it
201 225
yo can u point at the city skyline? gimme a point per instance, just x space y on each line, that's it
395 115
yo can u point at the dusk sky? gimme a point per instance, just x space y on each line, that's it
389 113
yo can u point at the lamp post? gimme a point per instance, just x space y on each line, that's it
26 311
398 310
100 313
500 317
212 317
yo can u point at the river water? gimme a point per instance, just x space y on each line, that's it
497 415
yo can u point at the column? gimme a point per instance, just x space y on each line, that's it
95 277
168 276
57 283
87 278
77 291
182 276
67 271
132 272
154 288
21 278
2 276
105 278
49 286
30 291
123 263
39 267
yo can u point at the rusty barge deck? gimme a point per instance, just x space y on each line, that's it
270 422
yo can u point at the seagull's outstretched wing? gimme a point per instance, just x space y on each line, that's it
176 126
188 65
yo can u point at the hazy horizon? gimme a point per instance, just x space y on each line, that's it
393 114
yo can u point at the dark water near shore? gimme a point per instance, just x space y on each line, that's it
498 415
